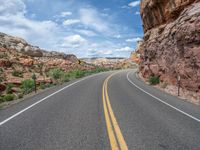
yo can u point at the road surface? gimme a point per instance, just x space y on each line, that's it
112 110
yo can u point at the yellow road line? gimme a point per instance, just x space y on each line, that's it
111 135
118 133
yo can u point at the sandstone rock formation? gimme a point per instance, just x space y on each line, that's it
135 55
20 45
19 60
157 12
110 63
171 46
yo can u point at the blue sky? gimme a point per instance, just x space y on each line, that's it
86 28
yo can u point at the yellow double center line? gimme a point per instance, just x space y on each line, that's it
116 138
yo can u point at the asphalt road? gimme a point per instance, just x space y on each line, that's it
112 110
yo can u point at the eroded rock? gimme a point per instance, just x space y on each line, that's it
171 46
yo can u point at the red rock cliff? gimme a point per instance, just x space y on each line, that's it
171 44
157 12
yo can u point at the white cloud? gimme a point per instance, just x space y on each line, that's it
51 35
125 49
118 36
12 7
125 7
74 41
137 13
134 3
13 21
90 18
65 13
134 39
86 32
106 52
71 22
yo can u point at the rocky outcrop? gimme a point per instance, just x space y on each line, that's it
110 63
135 55
157 12
20 45
171 46
71 58
19 60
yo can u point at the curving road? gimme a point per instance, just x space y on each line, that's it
112 110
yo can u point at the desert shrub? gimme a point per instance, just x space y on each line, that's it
66 77
2 79
1 99
17 73
55 73
42 85
164 85
48 85
9 88
9 97
20 95
100 69
153 80
79 73
27 86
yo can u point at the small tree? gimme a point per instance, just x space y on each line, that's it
34 79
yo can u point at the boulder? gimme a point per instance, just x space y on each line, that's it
5 63
71 58
27 62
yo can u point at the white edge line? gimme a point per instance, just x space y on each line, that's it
198 120
25 109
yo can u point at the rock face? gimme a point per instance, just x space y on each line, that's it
135 55
157 12
171 46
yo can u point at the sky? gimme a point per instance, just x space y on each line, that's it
86 28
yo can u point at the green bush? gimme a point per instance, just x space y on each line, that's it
27 86
9 88
55 73
153 80
81 73
8 97
17 73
